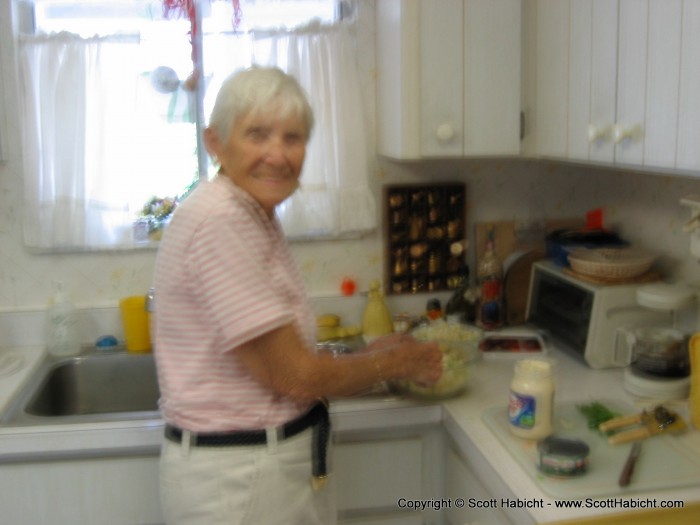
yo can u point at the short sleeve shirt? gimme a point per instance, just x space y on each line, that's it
224 275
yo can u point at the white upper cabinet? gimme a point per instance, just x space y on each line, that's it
448 79
663 82
592 74
628 127
618 81
688 151
552 77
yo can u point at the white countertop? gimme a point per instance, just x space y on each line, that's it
494 465
502 474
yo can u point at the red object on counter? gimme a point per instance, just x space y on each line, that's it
348 286
594 219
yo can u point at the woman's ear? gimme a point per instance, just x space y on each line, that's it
211 142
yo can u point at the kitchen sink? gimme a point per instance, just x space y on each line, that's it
109 386
88 388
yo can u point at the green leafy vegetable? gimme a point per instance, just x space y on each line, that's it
596 413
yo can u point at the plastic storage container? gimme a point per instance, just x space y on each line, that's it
63 338
560 243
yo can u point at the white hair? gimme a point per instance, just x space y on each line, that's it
259 90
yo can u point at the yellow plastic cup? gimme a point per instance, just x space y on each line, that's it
136 323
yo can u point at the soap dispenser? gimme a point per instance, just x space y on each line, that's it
376 320
62 325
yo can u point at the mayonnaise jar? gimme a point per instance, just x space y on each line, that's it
531 403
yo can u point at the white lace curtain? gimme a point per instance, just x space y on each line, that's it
73 199
334 197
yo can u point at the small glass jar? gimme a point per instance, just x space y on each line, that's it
531 403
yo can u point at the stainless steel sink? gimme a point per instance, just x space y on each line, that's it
116 386
95 387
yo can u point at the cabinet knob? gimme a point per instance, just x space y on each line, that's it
445 132
598 133
622 132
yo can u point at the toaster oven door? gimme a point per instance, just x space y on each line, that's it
562 309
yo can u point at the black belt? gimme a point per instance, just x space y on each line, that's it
317 418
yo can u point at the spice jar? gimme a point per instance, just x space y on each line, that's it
531 403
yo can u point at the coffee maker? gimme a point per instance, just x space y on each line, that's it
659 364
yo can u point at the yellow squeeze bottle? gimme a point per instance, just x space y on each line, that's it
694 400
376 320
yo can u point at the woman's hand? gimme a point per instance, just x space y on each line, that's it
420 362
387 342
279 360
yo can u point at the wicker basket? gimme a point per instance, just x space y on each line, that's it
611 263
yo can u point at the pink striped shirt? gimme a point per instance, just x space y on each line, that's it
224 276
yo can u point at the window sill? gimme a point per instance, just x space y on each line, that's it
121 248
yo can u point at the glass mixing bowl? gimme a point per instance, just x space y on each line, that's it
459 344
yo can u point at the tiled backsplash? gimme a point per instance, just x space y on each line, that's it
26 328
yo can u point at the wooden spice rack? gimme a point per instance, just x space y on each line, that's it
425 232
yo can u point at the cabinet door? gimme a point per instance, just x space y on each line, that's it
552 77
461 483
448 78
592 79
688 152
107 491
663 72
580 72
603 79
375 475
492 73
442 65
628 133
398 78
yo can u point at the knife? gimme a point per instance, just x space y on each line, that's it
628 469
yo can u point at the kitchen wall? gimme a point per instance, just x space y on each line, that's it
643 207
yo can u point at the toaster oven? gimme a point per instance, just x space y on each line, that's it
583 317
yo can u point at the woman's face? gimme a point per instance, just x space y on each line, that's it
263 155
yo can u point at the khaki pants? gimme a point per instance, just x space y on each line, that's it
244 485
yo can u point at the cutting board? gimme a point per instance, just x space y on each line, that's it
516 286
519 245
517 236
663 463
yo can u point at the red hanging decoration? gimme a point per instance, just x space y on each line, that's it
186 8
179 8
237 13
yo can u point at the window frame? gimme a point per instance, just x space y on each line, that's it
345 9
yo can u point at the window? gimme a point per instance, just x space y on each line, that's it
115 96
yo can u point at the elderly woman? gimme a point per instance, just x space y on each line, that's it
235 334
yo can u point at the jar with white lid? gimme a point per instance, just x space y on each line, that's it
531 403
